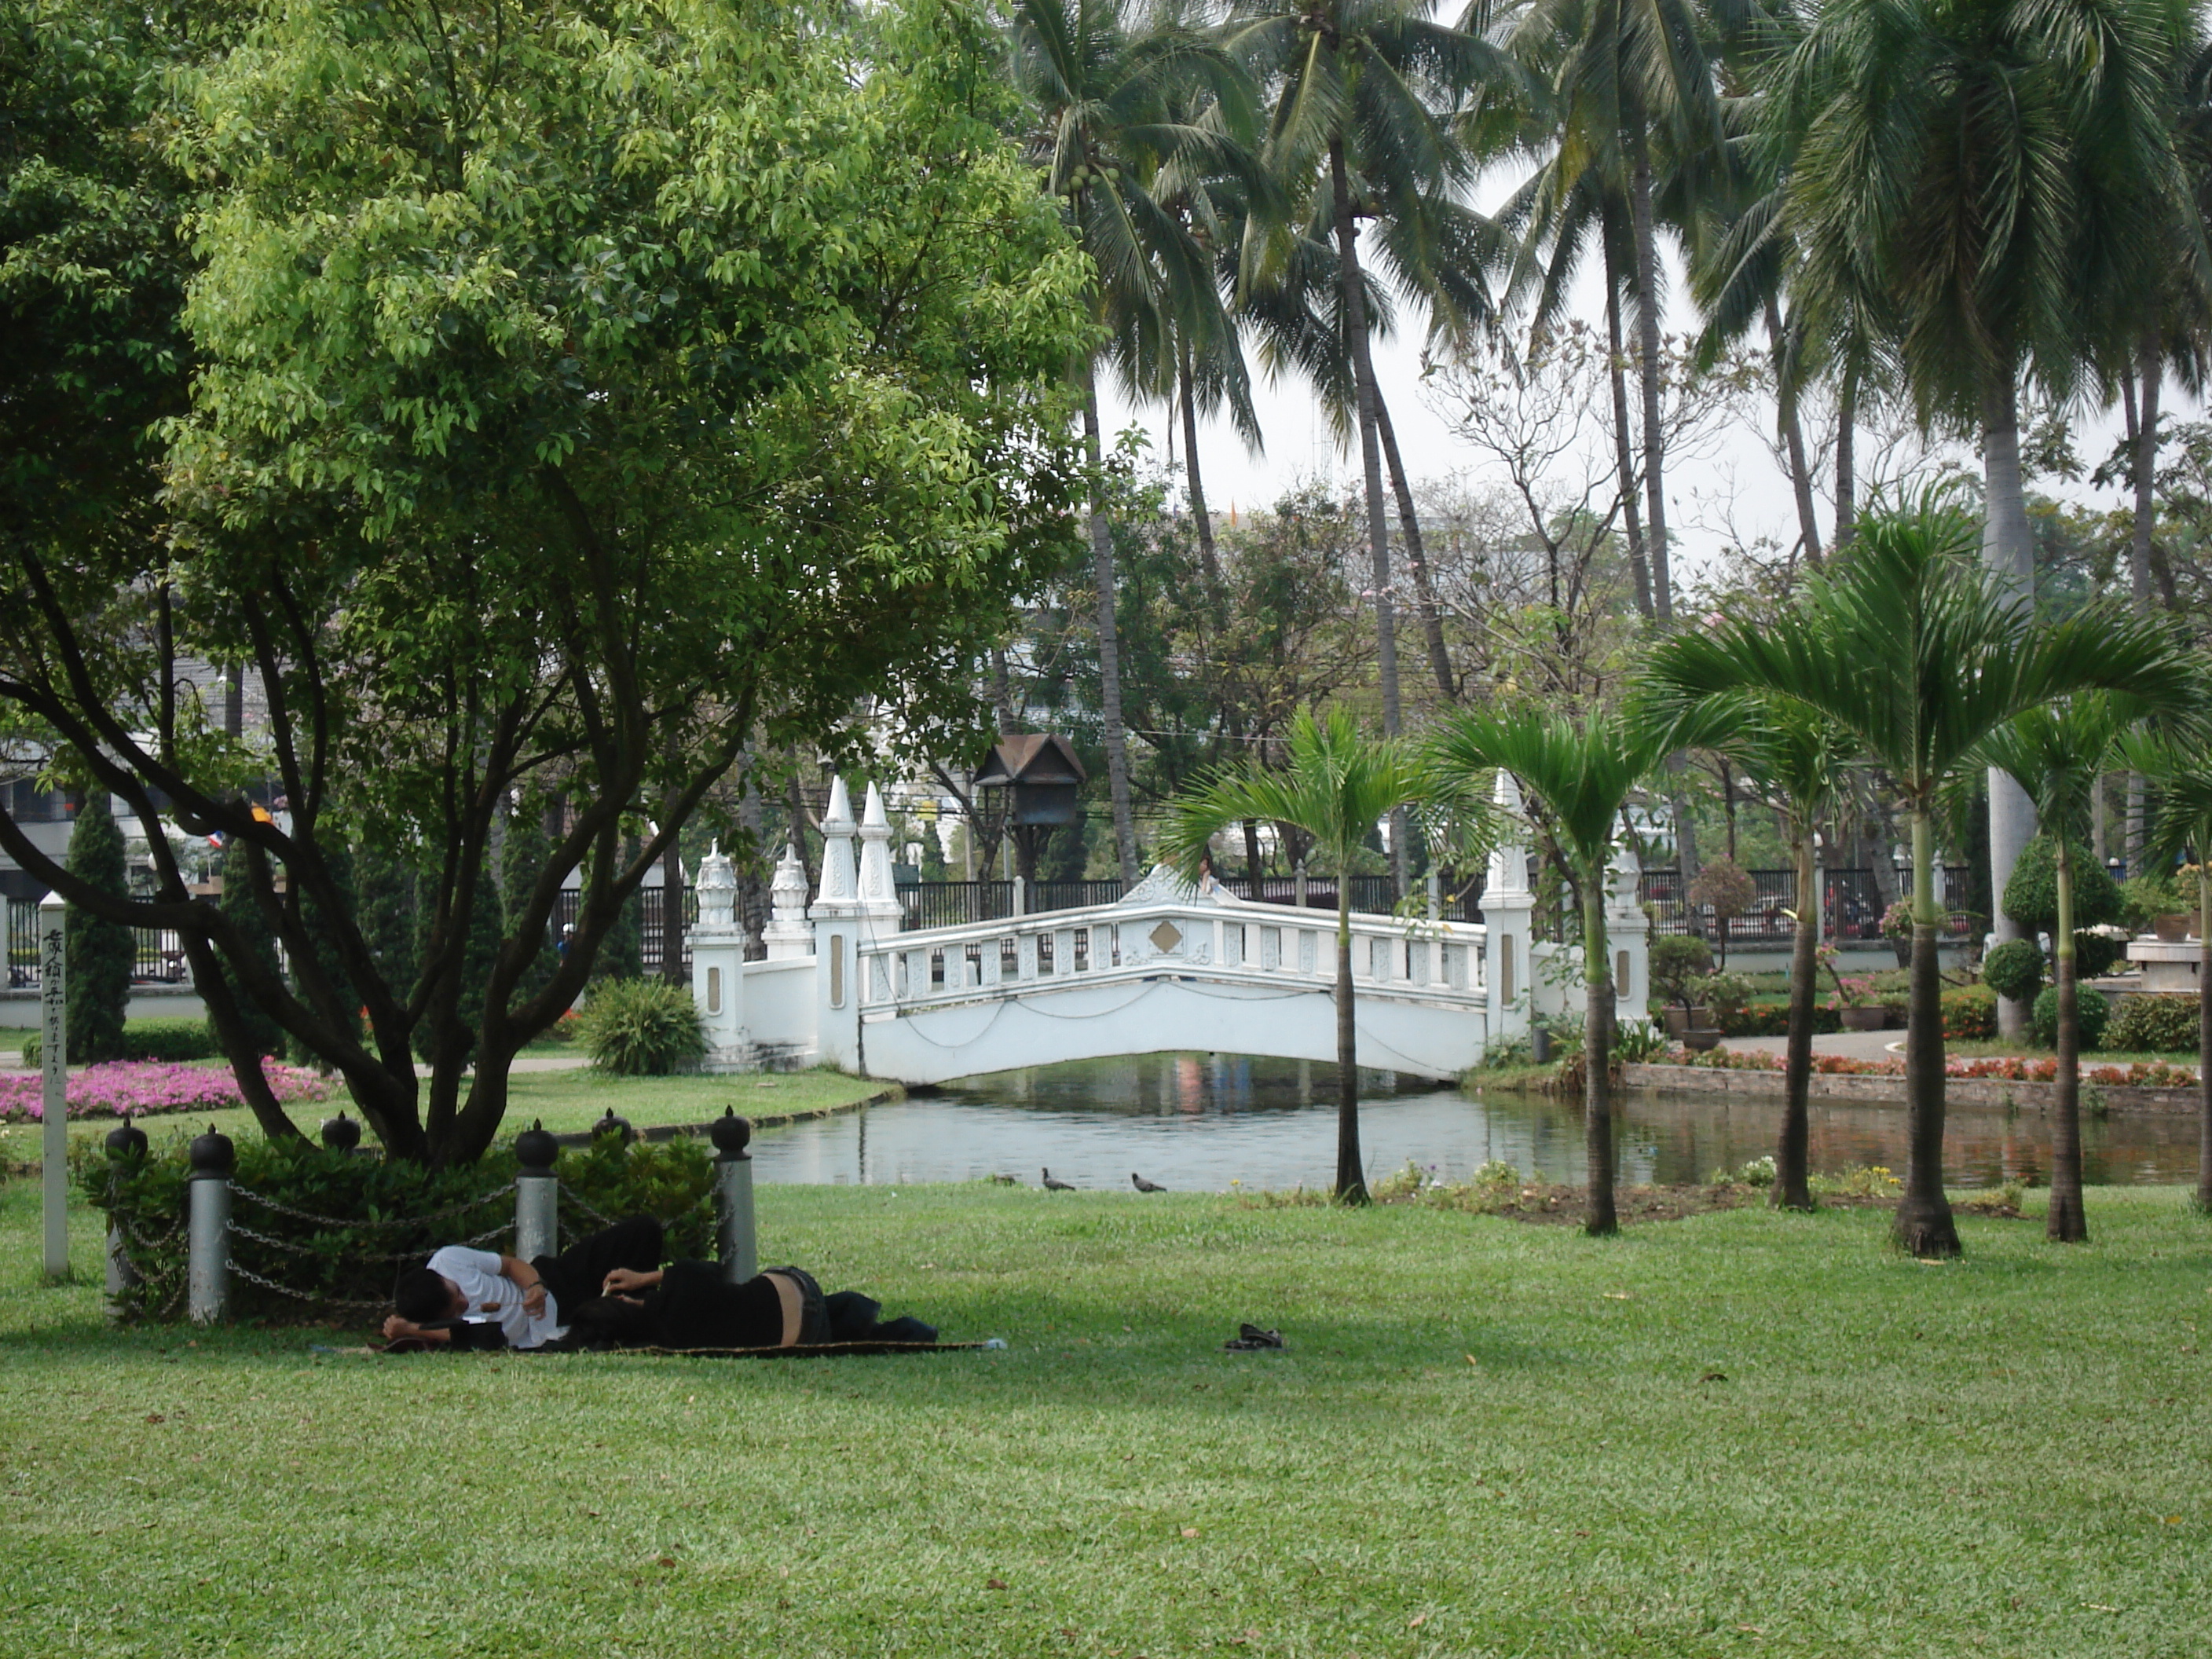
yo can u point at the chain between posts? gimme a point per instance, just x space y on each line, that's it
451 1210
320 1300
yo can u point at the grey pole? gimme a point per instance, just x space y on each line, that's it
126 1148
733 1196
53 1140
536 1194
208 1264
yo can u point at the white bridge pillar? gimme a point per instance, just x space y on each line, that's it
1628 935
1509 910
858 906
717 962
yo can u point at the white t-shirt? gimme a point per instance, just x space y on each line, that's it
493 1295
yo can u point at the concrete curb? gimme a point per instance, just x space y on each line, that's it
761 1121
1890 1090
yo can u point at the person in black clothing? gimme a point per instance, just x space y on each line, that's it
691 1304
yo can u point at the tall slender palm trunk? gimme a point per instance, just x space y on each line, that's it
1354 300
1201 521
1924 1225
1647 324
1847 421
2007 551
1416 554
1350 1178
1597 1056
2067 1223
1792 1188
2204 1035
1624 439
1792 435
1109 650
2149 376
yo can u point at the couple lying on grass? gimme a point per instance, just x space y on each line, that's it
609 1291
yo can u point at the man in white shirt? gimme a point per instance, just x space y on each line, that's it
463 1287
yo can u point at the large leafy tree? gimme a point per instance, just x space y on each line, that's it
1336 786
1578 774
585 390
1920 655
2002 174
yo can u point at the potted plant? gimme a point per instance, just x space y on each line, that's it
1857 1006
1679 964
1726 889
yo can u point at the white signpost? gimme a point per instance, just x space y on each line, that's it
53 1003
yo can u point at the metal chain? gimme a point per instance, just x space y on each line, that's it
252 1277
572 1200
245 1231
451 1210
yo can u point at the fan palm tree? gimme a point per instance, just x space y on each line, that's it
2059 754
1920 655
1578 773
1361 129
1103 89
2003 173
2181 768
1337 784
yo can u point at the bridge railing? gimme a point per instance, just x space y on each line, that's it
1262 945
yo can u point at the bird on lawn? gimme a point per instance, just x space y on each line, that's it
1004 1181
1143 1185
1052 1186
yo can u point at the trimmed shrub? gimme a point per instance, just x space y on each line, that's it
2162 1023
1772 1019
641 1027
2093 1010
1677 961
2014 969
101 954
152 1039
2097 954
2030 898
1970 1014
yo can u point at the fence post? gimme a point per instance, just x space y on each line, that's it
1298 882
537 1193
53 1140
207 1280
126 1148
733 1196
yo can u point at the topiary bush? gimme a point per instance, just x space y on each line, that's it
1970 1014
2030 898
2093 1011
2014 969
171 1040
1675 962
2161 1023
641 1027
2097 952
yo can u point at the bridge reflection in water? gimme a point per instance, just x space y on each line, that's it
1198 1123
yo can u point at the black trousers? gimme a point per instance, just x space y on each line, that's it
576 1275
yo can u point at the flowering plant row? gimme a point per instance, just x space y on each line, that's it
2010 1068
151 1087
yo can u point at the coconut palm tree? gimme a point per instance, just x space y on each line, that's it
1920 654
2059 754
1578 774
1103 85
2179 767
2002 171
1337 786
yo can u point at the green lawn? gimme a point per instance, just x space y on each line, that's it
567 1100
1739 1434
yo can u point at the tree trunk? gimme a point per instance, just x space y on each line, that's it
1647 327
2066 1224
1417 556
1597 1056
1252 856
1208 561
1792 435
2150 376
1350 1179
1109 650
1791 1187
2009 554
1639 569
1847 417
1354 300
1924 1227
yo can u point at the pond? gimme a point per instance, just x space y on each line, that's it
1200 1122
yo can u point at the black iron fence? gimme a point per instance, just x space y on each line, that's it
1851 907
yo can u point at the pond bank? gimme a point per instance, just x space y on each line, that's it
1885 1090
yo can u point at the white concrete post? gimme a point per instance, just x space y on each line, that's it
1628 934
836 918
1509 910
53 1139
717 962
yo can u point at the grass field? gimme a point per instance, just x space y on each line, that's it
1742 1433
567 1100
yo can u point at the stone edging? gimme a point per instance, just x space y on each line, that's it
1876 1090
767 1120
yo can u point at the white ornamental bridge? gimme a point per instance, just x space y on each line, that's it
1166 968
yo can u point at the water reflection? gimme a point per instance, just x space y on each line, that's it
1199 1123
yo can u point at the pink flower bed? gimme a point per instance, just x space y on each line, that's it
150 1086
